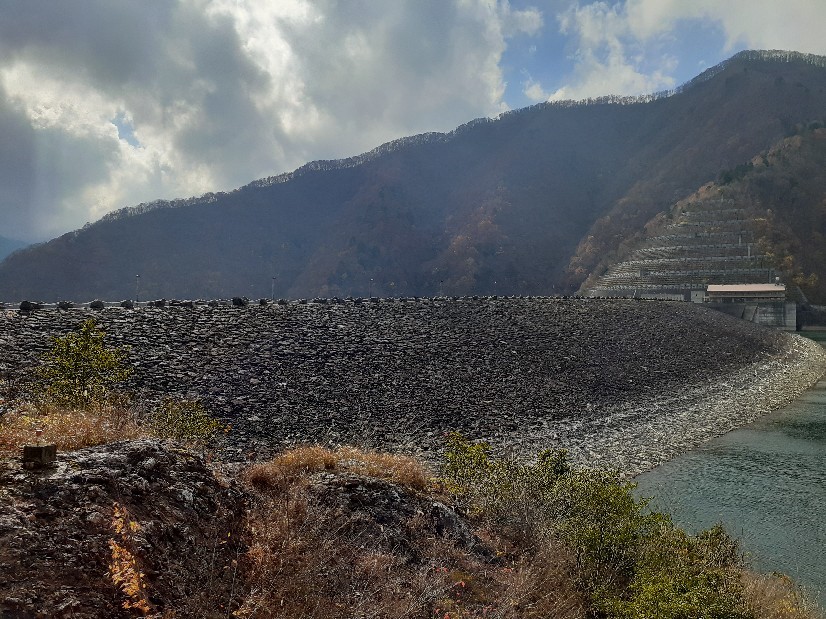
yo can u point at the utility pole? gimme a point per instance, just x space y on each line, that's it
137 287
272 290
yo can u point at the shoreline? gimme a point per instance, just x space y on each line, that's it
636 438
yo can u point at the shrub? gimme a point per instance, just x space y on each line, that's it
80 371
505 491
597 515
465 465
184 420
678 576
630 562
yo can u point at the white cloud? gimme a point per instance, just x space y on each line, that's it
533 91
532 88
755 24
609 57
622 47
220 92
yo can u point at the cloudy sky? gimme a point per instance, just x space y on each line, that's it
109 103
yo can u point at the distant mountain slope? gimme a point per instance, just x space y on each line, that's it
769 218
528 203
707 238
755 95
7 246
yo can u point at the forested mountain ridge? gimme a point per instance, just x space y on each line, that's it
784 100
528 203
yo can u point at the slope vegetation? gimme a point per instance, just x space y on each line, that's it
142 528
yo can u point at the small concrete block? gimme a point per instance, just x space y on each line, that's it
38 456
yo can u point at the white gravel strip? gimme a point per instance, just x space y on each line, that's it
636 437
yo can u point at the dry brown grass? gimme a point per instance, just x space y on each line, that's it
285 468
311 556
68 429
400 469
543 584
300 564
775 596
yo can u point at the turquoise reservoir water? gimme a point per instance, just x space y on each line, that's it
766 483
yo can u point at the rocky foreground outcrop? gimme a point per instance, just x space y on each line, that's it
146 528
65 532
626 383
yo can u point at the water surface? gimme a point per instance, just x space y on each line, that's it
766 483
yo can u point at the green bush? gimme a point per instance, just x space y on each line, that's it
597 515
80 371
679 576
506 491
466 465
184 420
631 562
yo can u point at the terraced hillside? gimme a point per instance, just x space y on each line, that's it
622 382
765 218
709 239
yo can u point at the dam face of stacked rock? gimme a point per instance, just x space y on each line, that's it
621 383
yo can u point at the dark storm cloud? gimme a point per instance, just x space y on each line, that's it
217 93
178 73
16 172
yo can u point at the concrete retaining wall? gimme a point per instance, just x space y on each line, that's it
777 315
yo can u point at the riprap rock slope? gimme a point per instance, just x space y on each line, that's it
398 374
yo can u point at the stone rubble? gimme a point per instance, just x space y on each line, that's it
623 384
